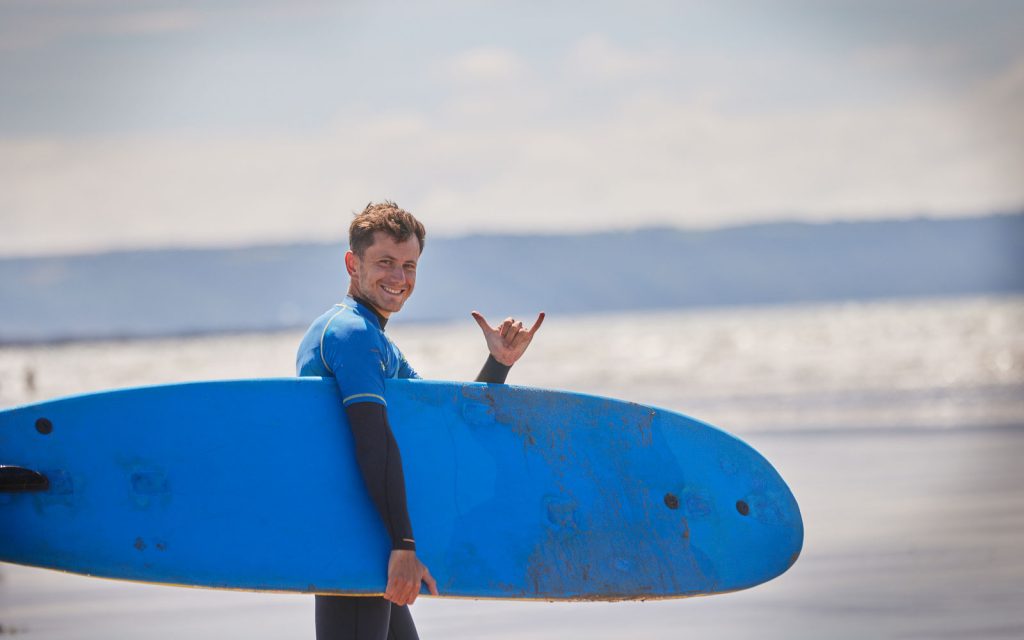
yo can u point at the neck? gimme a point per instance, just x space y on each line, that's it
382 318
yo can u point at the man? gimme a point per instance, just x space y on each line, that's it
348 343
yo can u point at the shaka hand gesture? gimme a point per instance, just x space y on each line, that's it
508 341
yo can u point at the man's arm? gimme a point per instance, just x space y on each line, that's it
353 355
493 371
380 464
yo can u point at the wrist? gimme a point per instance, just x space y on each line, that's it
493 372
499 361
404 544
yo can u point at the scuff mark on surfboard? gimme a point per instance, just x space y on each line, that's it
524 431
643 425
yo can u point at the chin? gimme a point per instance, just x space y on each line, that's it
392 306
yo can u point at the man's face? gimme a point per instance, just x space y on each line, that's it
386 273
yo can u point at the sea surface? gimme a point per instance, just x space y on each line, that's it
898 424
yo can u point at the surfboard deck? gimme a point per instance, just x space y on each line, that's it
513 492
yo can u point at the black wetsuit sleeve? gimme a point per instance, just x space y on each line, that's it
380 464
493 371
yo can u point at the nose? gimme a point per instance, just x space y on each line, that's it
402 275
398 275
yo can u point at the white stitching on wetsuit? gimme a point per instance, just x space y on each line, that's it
365 395
324 334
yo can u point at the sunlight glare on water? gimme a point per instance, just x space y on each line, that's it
892 364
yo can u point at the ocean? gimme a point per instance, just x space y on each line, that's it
898 424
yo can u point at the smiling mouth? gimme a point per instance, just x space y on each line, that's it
394 292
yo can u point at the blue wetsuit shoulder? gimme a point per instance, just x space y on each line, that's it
347 342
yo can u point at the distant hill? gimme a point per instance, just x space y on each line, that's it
171 292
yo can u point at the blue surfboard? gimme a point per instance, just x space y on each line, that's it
514 492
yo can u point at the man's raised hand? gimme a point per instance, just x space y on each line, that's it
508 341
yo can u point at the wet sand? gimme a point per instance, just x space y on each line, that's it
909 534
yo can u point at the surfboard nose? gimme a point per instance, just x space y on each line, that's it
768 516
738 521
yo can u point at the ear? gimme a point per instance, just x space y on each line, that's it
351 261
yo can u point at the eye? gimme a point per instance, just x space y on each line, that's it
410 266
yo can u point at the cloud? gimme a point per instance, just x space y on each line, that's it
582 132
907 57
1007 87
485 64
487 84
35 25
658 161
597 57
38 29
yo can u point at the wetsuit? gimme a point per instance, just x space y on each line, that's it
348 343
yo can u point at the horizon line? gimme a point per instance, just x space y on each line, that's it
342 242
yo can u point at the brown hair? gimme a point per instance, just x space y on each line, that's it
387 217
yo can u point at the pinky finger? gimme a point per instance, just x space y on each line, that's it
539 321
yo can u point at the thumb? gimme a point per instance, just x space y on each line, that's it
431 583
481 321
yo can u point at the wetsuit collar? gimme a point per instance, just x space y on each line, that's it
381 320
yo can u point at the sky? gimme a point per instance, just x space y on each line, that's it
148 123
